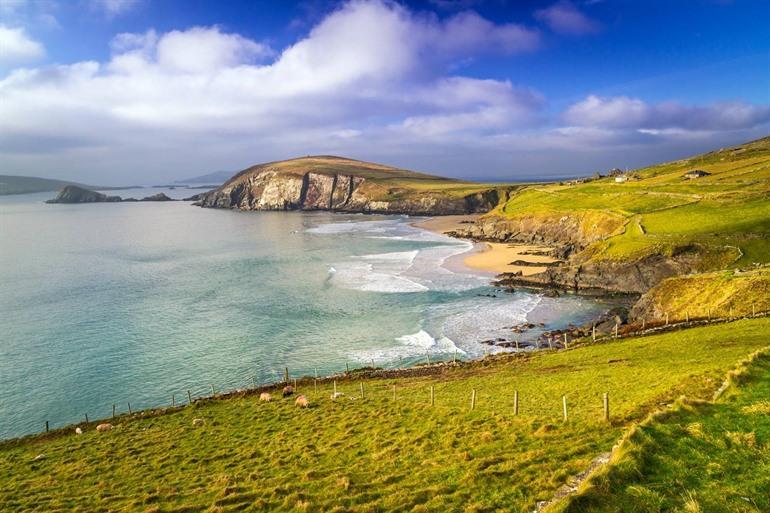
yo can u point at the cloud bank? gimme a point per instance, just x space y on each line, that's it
372 80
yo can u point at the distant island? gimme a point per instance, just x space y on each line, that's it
217 177
76 194
12 184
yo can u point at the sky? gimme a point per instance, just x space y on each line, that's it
119 92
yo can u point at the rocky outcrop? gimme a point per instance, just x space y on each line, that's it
75 194
269 189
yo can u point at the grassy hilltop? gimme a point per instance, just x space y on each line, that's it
660 224
376 453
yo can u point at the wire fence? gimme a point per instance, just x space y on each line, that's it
356 382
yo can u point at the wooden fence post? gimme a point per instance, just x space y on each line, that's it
643 324
666 318
173 400
361 386
550 345
709 313
454 357
564 406
616 330
315 385
347 368
86 418
189 397
432 396
473 399
335 389
753 309
212 389
686 316
427 358
286 375
129 408
515 402
606 401
46 426
593 333
517 342
565 341
113 411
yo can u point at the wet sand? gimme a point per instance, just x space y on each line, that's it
491 257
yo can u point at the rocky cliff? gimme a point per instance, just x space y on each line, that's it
344 185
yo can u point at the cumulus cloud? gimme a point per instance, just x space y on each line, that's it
363 66
17 46
113 8
565 18
624 112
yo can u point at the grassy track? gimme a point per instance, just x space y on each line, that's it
701 457
377 454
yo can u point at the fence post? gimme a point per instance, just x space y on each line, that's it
113 411
709 313
473 399
347 368
606 401
86 418
517 342
335 389
753 309
361 386
643 324
565 341
686 316
315 385
173 400
593 333
616 330
550 345
432 396
129 408
564 406
454 357
212 389
515 402
189 397
666 318
394 393
286 375
427 358
46 426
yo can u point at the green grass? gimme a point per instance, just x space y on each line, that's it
728 209
709 457
376 454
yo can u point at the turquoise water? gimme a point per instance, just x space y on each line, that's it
134 302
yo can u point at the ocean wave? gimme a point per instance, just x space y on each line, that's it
413 345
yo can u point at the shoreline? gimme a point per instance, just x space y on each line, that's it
492 257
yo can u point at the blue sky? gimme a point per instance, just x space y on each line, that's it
117 91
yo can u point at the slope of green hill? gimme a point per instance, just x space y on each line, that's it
377 453
700 457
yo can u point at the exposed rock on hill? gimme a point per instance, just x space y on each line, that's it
75 194
345 185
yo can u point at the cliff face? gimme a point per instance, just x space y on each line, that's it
266 188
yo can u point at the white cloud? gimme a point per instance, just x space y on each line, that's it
113 8
17 46
564 18
624 112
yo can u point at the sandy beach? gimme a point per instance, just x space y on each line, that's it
492 257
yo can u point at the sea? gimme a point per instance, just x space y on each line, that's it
116 303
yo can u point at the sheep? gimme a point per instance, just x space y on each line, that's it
103 427
265 397
302 401
336 395
78 431
287 390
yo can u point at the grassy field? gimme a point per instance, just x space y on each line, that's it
727 214
700 457
376 453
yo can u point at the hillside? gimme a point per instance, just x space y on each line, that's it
631 235
377 453
10 184
346 185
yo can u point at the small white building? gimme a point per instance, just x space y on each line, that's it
621 178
